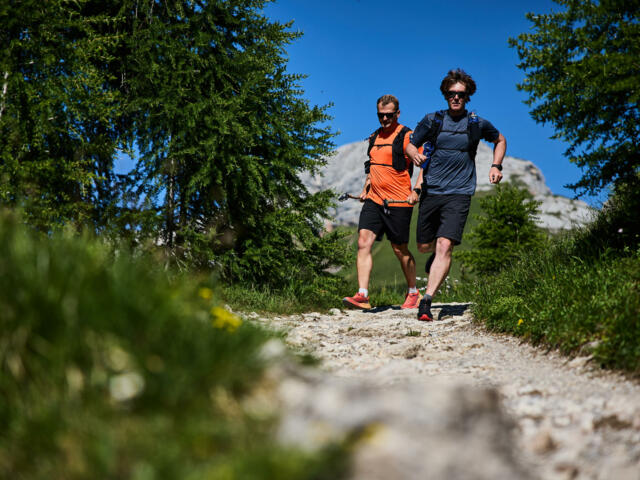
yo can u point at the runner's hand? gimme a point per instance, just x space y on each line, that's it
418 159
363 195
412 199
495 175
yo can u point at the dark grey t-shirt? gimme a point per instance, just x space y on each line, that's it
451 169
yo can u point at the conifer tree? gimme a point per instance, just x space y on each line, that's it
223 134
583 77
200 89
57 129
506 229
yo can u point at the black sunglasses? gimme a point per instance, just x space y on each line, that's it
453 93
381 115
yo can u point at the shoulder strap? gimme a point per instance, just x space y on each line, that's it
473 134
399 161
431 137
372 141
435 128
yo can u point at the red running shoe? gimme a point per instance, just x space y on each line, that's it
411 301
358 301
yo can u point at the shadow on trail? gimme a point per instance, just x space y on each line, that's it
451 310
446 310
383 308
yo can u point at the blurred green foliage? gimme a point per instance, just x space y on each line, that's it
111 368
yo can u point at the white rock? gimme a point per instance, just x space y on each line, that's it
272 349
126 386
405 431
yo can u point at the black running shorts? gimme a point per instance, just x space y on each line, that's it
395 223
442 216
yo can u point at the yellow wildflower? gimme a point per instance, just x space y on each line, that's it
224 319
520 322
205 293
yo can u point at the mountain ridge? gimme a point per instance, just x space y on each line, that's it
344 173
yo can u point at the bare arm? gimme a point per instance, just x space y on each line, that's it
365 189
499 149
411 151
413 197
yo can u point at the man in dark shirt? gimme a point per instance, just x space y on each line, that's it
445 185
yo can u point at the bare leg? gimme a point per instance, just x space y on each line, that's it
427 247
407 262
364 260
441 265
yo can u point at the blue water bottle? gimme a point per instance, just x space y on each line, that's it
427 150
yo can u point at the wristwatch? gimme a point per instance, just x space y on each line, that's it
498 166
417 190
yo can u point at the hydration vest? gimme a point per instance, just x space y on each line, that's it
398 160
473 133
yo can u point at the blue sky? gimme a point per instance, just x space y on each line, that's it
354 51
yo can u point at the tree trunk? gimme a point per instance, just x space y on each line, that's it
170 203
4 93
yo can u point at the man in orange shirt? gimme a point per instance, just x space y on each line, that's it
388 177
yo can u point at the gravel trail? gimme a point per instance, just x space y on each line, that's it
572 420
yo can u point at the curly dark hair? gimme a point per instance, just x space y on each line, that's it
455 76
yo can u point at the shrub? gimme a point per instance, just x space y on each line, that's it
506 229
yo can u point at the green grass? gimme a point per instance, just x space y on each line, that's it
321 295
565 302
580 293
112 367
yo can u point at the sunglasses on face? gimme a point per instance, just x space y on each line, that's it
381 115
453 93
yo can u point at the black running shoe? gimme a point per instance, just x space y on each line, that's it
427 266
424 311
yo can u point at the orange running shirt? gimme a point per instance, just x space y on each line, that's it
386 181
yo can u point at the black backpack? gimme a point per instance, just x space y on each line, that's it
398 161
473 132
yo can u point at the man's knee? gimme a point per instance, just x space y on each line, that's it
401 250
366 238
426 247
444 246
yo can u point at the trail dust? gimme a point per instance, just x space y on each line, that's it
448 399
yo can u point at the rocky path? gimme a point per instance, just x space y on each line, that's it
447 399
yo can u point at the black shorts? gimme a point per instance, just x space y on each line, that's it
396 223
442 216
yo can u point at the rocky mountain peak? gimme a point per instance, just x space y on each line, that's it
344 172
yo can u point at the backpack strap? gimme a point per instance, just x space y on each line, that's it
399 161
372 141
473 134
432 137
435 128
